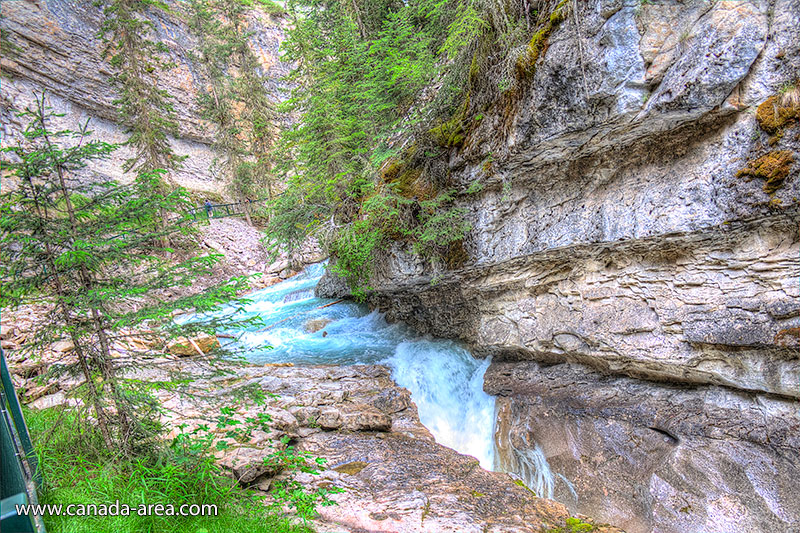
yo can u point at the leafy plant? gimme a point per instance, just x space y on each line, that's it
289 491
78 469
143 104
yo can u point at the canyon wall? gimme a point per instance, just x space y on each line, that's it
634 263
55 47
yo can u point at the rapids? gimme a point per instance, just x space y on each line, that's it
445 380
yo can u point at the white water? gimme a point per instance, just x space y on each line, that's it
445 381
535 471
530 464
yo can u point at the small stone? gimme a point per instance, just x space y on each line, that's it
63 346
184 347
330 419
36 392
352 468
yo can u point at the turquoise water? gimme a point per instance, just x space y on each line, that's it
445 380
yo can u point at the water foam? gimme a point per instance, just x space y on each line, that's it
445 380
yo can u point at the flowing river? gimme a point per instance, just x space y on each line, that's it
445 380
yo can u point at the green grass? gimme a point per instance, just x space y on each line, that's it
77 470
574 525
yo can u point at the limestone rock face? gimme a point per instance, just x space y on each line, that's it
717 307
618 238
396 477
56 49
676 451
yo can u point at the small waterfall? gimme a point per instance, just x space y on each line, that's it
302 294
445 380
535 471
522 457
446 383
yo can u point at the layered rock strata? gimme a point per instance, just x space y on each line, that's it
55 47
633 264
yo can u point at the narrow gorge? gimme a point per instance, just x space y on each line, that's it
618 328
637 290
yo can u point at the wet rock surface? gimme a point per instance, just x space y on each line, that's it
410 484
659 457
396 477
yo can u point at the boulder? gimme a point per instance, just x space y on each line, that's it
247 464
363 417
185 347
330 418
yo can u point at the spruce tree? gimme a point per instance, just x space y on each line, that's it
237 100
88 252
144 107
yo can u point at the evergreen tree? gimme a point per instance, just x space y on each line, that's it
236 100
89 253
385 92
360 67
144 107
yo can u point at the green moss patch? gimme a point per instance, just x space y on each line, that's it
452 133
526 64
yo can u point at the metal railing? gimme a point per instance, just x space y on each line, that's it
210 211
19 469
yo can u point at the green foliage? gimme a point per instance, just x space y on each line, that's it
474 187
452 132
365 161
467 26
193 453
354 248
78 469
441 224
237 101
92 254
143 105
361 66
288 491
574 525
273 8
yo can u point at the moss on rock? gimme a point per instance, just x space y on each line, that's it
452 133
526 63
774 114
456 256
773 168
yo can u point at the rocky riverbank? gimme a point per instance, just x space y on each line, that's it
394 476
